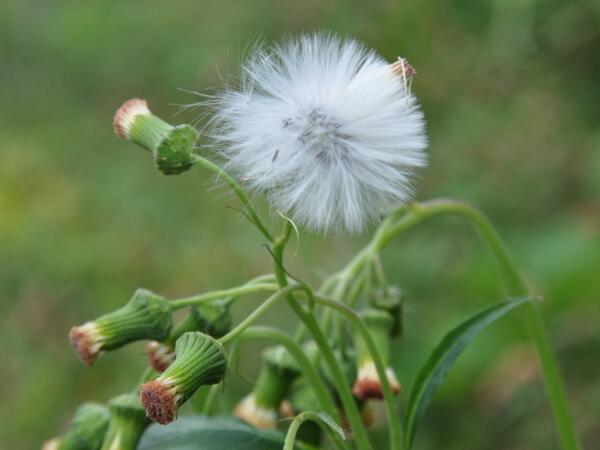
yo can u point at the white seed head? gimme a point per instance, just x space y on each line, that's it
126 114
326 128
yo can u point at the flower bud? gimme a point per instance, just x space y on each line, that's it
127 423
87 429
277 373
200 360
145 316
212 319
368 384
171 146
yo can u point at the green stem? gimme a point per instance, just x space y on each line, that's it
237 189
215 295
258 312
515 286
290 437
307 368
313 328
388 395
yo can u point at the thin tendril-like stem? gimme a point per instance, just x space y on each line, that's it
225 293
237 189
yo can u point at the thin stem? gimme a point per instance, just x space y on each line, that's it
388 395
515 287
290 437
306 367
258 312
224 293
313 328
237 189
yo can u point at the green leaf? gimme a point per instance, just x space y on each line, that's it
442 358
209 433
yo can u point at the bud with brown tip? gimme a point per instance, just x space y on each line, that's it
200 360
260 407
145 316
368 384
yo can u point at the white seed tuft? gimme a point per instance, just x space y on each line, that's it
326 128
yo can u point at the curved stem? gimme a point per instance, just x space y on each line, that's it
237 189
388 395
258 312
290 437
224 293
515 287
308 370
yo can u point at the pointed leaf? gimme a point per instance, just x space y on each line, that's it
441 360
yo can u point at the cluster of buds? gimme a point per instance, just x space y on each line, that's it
145 316
368 385
87 429
200 360
212 319
127 423
172 147
260 408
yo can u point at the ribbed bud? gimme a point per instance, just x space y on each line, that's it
128 422
87 428
200 360
277 373
145 316
368 384
212 319
171 146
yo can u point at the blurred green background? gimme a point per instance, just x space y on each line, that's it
512 96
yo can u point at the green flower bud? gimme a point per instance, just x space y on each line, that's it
87 429
127 423
171 146
391 300
367 384
212 319
145 316
200 360
260 408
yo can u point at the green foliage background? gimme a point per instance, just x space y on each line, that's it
510 89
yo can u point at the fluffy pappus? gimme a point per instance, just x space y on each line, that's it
326 128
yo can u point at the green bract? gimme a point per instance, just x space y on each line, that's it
87 428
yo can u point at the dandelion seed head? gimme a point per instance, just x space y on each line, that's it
325 128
